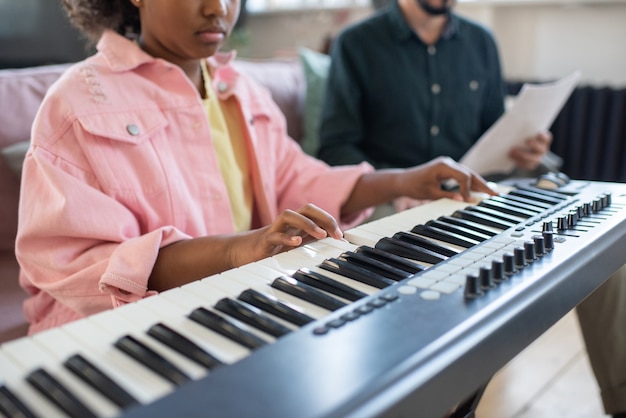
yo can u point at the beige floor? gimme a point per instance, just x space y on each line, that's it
550 379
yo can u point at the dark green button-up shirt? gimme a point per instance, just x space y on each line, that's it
394 101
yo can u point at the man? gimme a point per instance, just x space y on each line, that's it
416 81
449 66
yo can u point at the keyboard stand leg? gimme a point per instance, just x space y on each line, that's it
467 408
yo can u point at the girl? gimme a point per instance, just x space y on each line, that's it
152 165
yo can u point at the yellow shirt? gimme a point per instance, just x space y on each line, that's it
230 146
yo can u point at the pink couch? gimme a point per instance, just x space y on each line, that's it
21 92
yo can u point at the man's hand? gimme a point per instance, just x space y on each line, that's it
528 156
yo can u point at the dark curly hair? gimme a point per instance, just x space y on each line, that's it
92 17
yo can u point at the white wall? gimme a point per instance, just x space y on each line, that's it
537 40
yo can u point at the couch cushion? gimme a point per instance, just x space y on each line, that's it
316 66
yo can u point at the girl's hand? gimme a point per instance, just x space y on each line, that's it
289 230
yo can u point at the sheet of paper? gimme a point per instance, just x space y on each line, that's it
534 110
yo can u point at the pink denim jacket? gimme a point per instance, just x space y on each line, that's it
122 164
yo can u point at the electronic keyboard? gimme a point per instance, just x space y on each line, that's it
405 317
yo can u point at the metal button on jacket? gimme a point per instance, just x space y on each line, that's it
133 129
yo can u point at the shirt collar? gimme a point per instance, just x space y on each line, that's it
402 31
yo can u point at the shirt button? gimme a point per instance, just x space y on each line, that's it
434 130
435 88
133 129
432 50
222 86
474 85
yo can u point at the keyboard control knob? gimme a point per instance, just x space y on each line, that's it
520 257
561 223
529 251
548 240
497 267
472 289
540 247
547 226
509 264
485 277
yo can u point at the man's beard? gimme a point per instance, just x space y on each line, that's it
435 11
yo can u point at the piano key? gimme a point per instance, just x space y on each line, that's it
535 196
151 359
502 203
433 245
73 394
335 287
483 219
443 235
391 259
496 214
134 321
557 195
143 383
12 406
183 345
523 202
378 266
50 387
64 346
211 295
174 305
308 293
507 208
466 232
243 280
226 327
272 305
12 377
406 249
471 225
97 379
252 316
356 273
290 267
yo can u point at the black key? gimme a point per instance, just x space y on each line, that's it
425 243
374 265
507 208
327 284
227 328
533 195
151 359
495 214
11 406
483 219
553 194
519 203
404 249
95 378
466 232
250 315
524 202
307 293
445 236
464 223
58 394
391 259
272 305
183 345
356 273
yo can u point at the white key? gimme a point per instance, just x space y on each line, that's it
173 307
145 385
32 356
12 375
